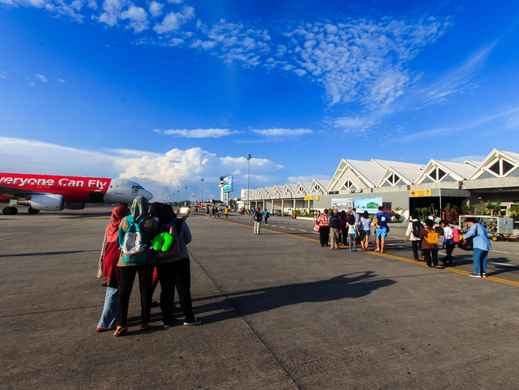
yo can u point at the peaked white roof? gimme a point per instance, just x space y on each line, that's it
512 157
458 170
463 170
408 171
370 170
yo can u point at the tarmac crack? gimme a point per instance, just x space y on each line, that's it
258 337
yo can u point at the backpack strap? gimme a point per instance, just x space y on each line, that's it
131 222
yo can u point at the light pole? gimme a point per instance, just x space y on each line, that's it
249 156
201 190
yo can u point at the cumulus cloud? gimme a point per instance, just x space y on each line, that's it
359 59
283 132
196 133
156 8
137 17
174 20
235 43
160 172
112 10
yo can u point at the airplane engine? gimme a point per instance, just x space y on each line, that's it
75 205
46 202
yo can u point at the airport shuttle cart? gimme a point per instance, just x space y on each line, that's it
499 228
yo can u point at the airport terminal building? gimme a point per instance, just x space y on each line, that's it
399 186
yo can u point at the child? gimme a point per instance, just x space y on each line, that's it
352 236
430 241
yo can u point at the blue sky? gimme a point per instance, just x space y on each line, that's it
169 91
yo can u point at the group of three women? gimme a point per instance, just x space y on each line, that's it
127 251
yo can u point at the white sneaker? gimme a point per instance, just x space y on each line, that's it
193 322
475 276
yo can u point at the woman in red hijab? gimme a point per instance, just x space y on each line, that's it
110 254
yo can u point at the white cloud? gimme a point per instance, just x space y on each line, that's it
174 20
31 156
503 116
197 133
112 10
455 81
355 60
359 60
354 123
175 42
283 132
235 43
156 8
137 17
160 172
41 78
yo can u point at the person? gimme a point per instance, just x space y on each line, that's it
226 212
448 234
258 217
352 233
110 256
356 215
414 233
136 232
343 231
430 238
481 245
335 225
381 230
174 270
266 217
365 222
324 228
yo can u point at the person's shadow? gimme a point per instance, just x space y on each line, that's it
348 286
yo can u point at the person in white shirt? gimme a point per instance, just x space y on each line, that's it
448 234
414 234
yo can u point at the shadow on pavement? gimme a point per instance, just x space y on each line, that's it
266 299
260 300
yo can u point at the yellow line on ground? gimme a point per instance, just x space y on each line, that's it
461 272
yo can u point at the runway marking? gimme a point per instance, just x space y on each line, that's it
401 259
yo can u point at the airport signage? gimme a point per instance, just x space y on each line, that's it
226 184
370 205
342 203
420 193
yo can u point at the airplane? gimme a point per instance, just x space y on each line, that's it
54 193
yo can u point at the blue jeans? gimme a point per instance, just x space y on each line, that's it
479 261
110 309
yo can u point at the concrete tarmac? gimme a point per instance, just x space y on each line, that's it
278 312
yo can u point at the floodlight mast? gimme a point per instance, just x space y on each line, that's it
249 156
